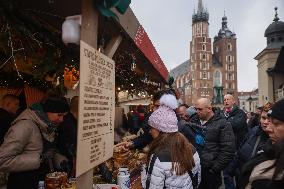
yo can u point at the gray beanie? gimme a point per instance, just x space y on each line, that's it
191 111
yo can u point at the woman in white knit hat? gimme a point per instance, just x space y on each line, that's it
172 160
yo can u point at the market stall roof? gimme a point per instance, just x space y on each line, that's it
55 12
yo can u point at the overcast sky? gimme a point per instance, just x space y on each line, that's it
168 24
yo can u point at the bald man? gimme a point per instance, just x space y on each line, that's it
8 111
216 143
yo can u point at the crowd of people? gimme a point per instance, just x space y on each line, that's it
221 146
190 147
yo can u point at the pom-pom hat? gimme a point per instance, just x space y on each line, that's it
164 118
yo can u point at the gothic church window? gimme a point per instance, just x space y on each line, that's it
203 57
203 67
229 58
230 86
204 75
204 47
217 78
229 47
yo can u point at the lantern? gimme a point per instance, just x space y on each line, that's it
71 29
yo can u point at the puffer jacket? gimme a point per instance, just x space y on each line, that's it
253 143
219 143
163 177
23 144
238 120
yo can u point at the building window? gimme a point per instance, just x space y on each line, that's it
204 75
229 67
204 39
229 58
217 78
229 47
230 86
229 76
204 47
203 66
203 56
272 39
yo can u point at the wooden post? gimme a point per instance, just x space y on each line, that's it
112 46
89 32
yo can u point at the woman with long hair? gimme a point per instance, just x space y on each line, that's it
172 160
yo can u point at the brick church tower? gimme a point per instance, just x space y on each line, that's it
200 56
209 72
225 63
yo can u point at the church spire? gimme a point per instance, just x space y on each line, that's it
201 15
200 7
276 19
224 21
225 32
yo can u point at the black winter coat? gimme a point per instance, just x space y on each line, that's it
219 146
267 154
237 118
67 138
247 151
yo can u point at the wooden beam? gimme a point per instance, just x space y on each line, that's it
113 45
89 34
89 27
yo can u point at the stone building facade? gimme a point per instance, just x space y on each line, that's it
270 64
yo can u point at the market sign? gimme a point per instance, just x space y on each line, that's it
96 109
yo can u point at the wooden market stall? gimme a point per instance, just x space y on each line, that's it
36 59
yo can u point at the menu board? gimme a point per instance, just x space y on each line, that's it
96 109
